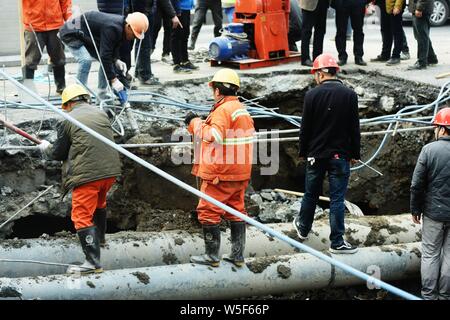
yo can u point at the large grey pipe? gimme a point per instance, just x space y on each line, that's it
144 249
261 276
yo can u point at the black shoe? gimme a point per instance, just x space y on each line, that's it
417 66
180 69
307 62
405 55
433 61
91 247
152 81
393 61
191 46
189 65
100 222
237 244
344 248
211 235
360 62
379 58
342 62
59 77
296 224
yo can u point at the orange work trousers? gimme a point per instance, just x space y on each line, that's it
87 198
230 193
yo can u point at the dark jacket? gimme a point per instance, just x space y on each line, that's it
430 186
85 158
145 6
107 30
426 6
348 3
330 122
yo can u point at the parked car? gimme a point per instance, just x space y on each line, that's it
440 15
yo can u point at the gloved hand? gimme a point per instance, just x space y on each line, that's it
191 115
121 66
123 96
43 145
117 85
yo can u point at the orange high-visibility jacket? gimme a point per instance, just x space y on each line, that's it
223 144
45 15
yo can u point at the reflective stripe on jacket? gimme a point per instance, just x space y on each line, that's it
45 15
224 142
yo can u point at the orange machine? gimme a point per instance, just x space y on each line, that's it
266 25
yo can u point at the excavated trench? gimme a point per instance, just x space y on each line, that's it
143 201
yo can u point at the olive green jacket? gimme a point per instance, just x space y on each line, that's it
85 158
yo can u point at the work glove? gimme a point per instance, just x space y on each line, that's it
121 66
189 117
123 96
117 85
43 145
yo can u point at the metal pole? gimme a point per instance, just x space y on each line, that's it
219 204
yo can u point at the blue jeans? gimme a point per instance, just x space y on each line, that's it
84 60
338 176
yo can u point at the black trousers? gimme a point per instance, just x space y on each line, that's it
200 17
387 32
356 14
421 27
180 37
162 21
316 19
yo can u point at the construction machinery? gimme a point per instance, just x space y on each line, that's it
258 36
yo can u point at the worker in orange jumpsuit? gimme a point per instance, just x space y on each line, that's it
223 160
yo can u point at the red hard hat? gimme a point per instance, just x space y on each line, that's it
325 60
442 117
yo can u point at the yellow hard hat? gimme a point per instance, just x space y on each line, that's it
73 91
226 76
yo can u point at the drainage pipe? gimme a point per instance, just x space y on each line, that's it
143 249
259 277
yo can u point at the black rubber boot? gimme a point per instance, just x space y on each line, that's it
59 76
91 248
211 234
237 244
100 222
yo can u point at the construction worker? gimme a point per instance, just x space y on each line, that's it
329 141
90 168
430 198
42 20
223 161
109 31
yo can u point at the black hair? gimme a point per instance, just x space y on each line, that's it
226 89
330 70
447 129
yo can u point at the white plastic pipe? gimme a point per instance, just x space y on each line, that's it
260 276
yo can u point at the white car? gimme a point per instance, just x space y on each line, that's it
440 15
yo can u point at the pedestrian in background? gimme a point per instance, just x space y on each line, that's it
430 200
314 15
421 11
201 8
42 20
228 9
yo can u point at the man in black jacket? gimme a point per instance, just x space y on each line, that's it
330 141
108 32
430 198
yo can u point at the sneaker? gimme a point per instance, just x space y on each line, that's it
189 65
85 268
165 58
417 66
180 69
296 224
342 62
307 62
344 248
150 82
393 61
404 56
